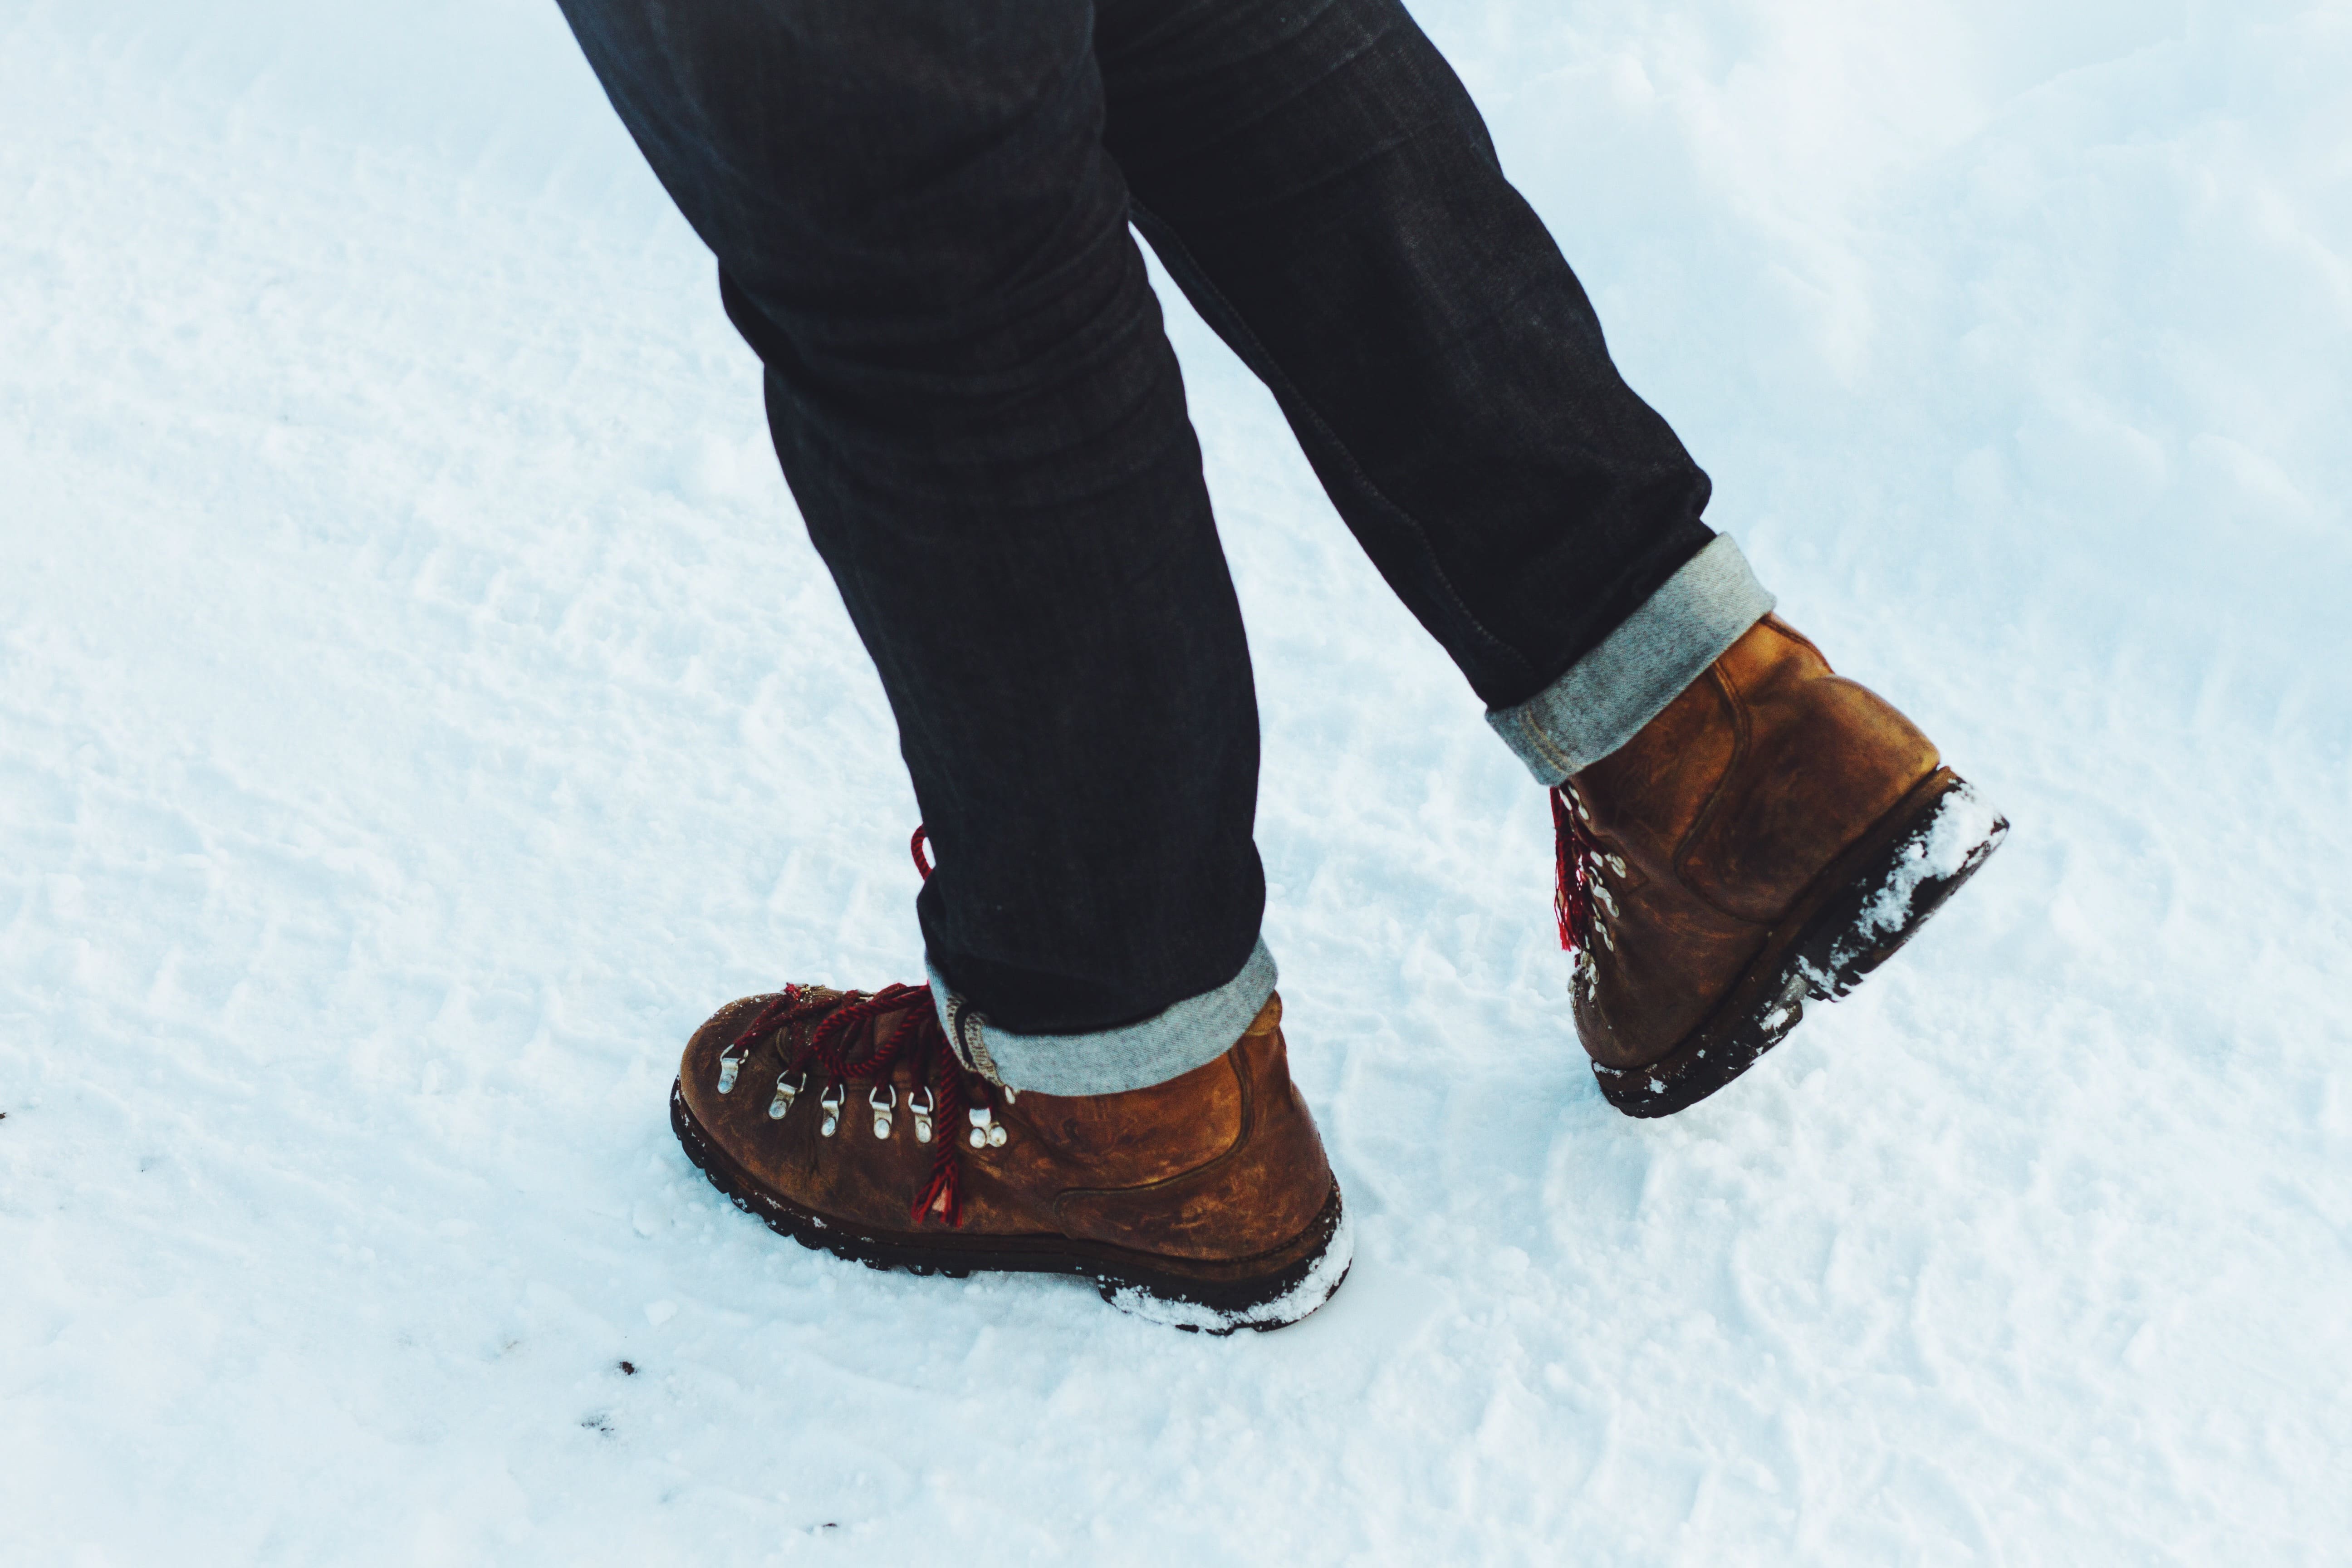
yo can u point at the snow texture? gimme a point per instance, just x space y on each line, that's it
419 706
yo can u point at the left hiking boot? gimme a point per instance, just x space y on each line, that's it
848 1122
1770 838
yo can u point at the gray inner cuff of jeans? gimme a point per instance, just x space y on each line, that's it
1167 1045
1647 662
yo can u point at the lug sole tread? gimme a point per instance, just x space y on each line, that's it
1219 1299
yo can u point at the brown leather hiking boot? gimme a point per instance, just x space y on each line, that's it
844 1120
1774 834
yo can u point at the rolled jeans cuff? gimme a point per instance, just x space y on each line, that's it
1169 1043
1648 661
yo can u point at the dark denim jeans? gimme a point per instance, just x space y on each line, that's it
920 210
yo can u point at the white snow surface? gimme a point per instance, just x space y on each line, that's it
419 706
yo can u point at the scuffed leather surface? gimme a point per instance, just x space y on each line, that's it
1265 1187
1724 807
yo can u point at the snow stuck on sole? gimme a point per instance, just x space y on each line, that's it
1322 1283
1963 831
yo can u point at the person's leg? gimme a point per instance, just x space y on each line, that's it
921 235
1740 830
1322 188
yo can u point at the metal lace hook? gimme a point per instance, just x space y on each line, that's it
789 1085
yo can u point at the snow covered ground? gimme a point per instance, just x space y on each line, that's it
419 706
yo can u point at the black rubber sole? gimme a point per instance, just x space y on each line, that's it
1270 1291
1862 908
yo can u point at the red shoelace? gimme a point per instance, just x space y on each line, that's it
827 1023
1574 851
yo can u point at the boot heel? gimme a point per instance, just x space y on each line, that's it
1917 864
1866 905
1273 1293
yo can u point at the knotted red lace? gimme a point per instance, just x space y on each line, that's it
1574 850
827 1024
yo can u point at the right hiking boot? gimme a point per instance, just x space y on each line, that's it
846 1122
1770 838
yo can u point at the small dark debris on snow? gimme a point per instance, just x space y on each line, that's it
629 1369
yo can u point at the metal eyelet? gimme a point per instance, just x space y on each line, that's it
985 1133
1600 892
922 1109
1617 864
830 1104
1606 940
788 1087
728 1067
882 1107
